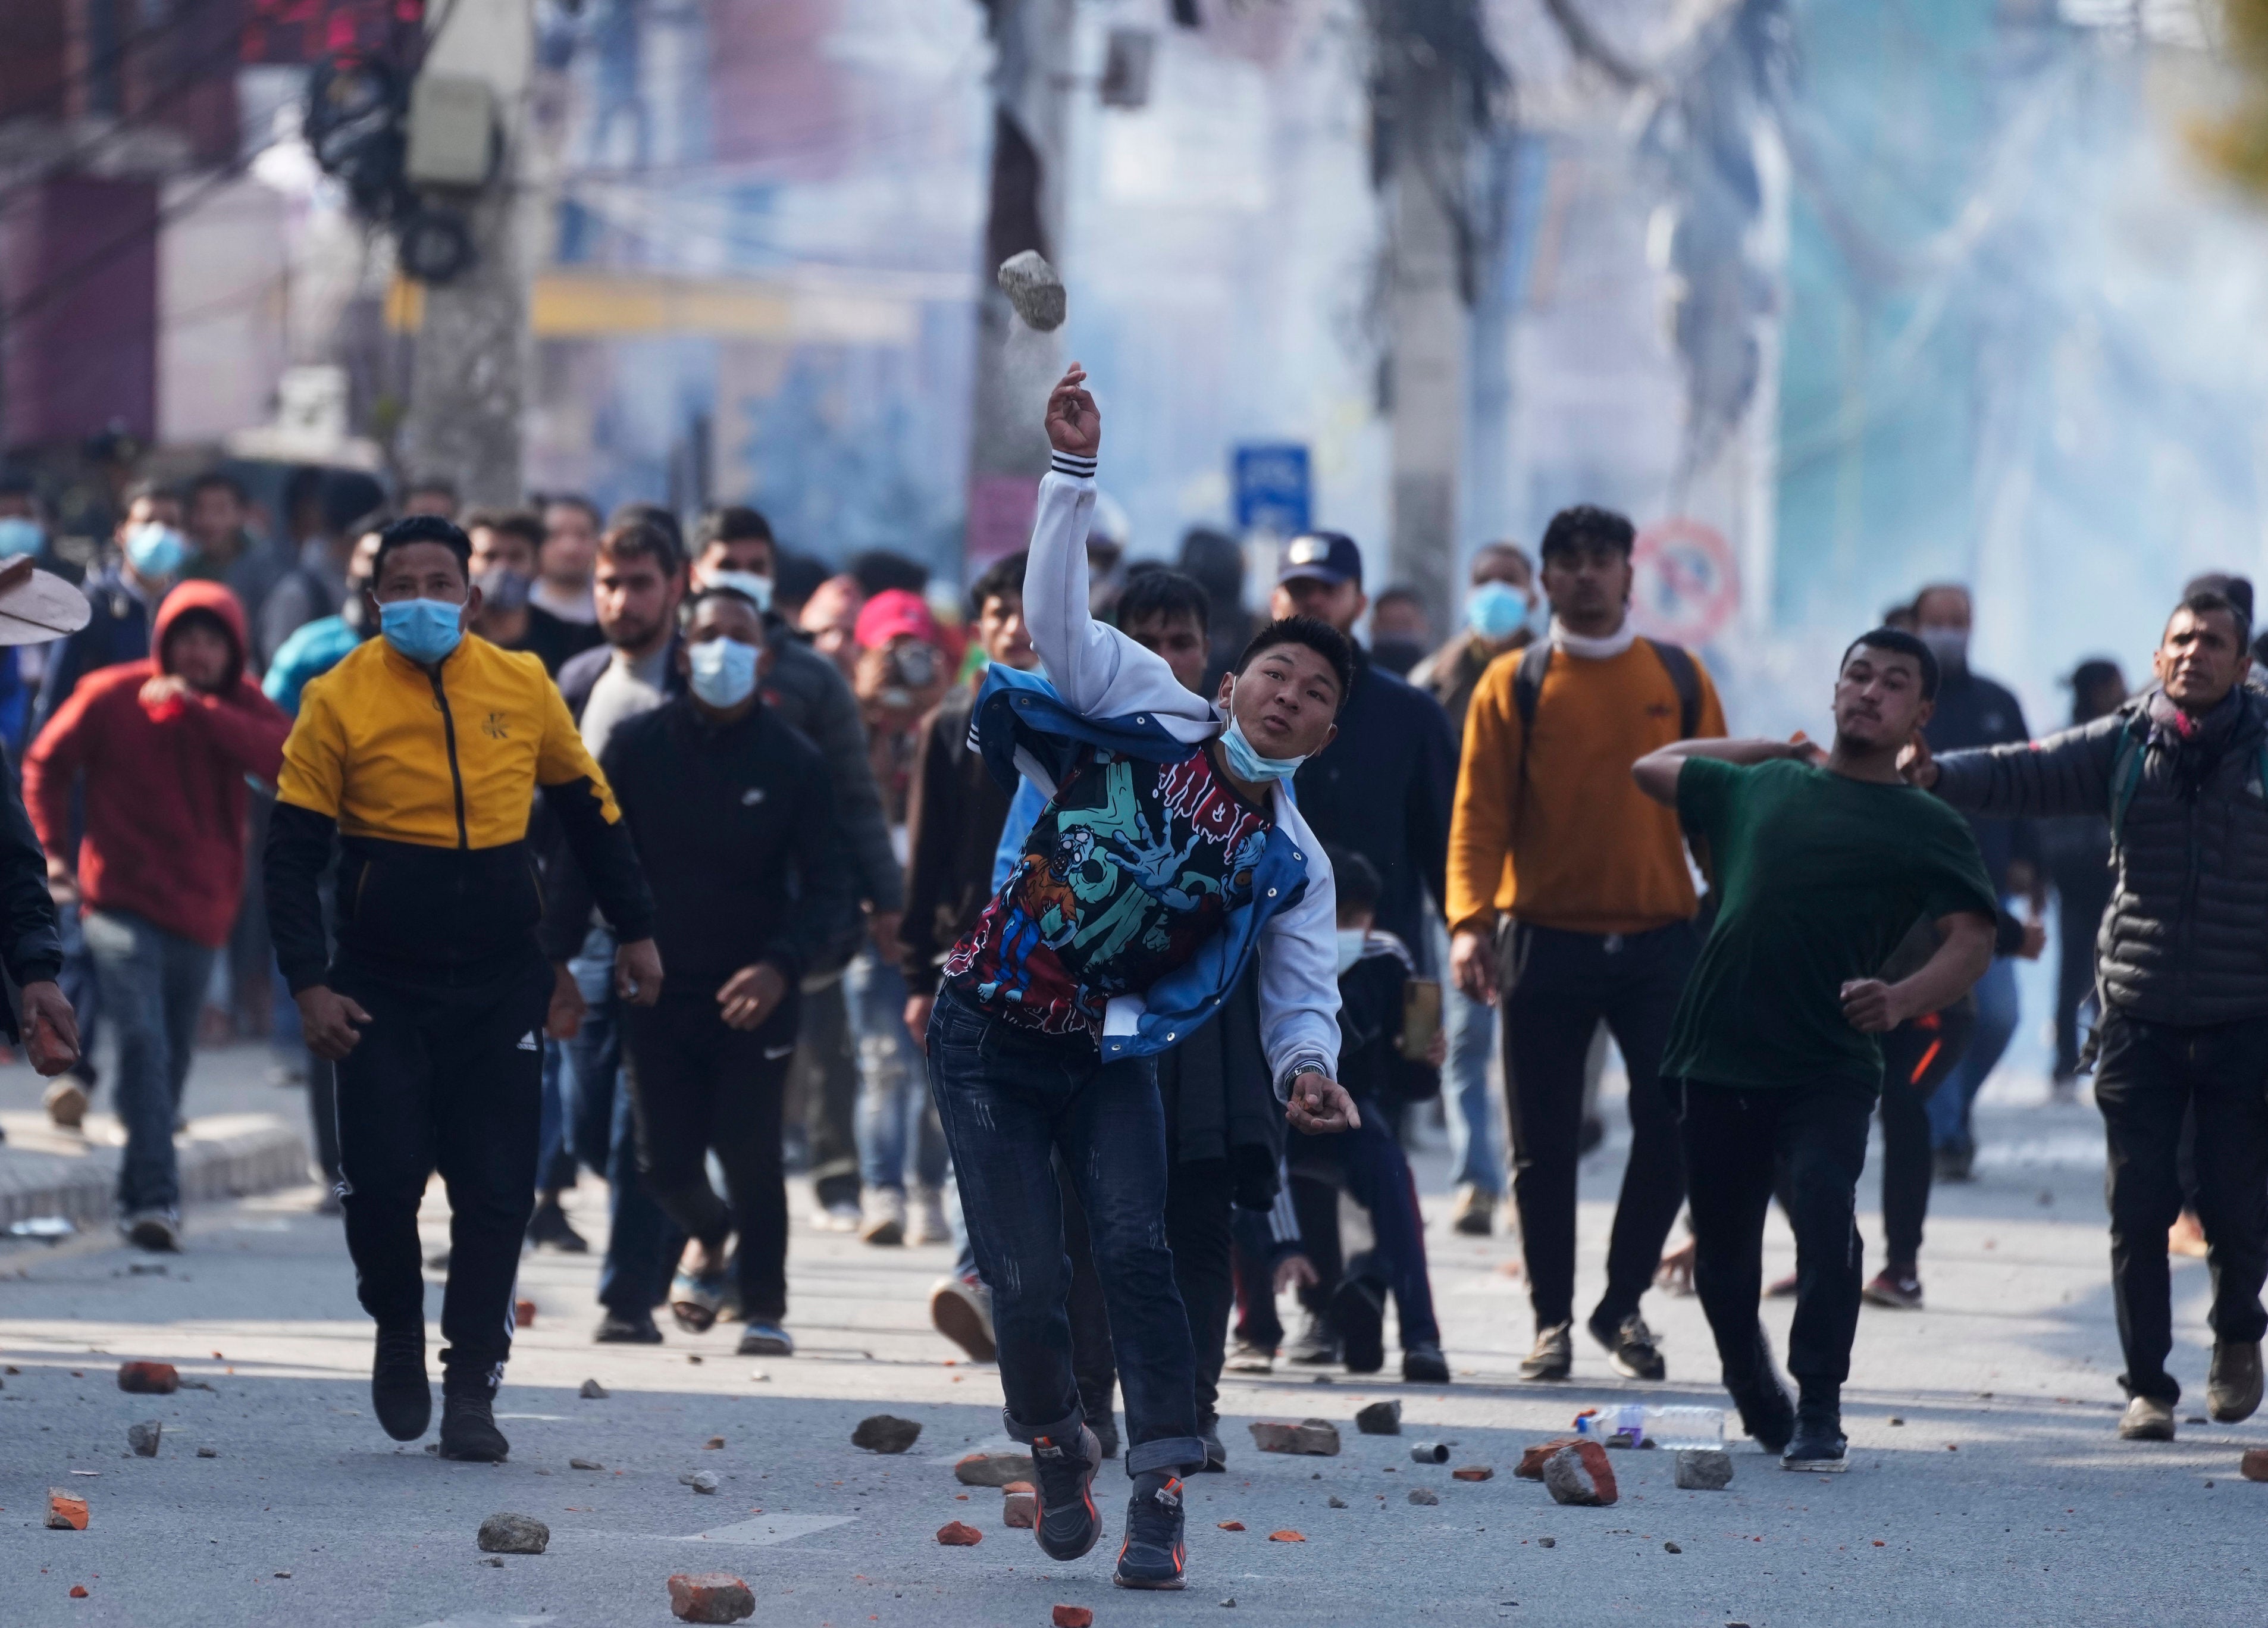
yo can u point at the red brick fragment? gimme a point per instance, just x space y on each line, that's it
1021 1510
66 1510
1471 1472
1074 1617
711 1597
523 1313
1231 1526
78 1591
2254 1466
958 1535
149 1378
1287 1536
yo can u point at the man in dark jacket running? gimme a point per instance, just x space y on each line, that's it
2180 771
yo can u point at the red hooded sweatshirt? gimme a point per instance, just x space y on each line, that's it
166 792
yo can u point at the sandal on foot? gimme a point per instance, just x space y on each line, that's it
694 1302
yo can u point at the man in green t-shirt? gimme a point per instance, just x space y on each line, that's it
1822 862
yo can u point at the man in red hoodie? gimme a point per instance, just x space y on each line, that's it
161 747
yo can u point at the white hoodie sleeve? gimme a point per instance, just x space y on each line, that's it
1098 671
1298 969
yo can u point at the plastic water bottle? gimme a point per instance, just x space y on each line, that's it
1635 1425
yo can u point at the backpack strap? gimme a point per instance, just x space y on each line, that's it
1685 678
1527 691
2125 774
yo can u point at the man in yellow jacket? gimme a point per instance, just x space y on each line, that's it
1553 842
422 753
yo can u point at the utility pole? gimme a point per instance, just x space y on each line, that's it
473 346
1016 365
1433 76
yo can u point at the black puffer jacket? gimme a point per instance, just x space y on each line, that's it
2186 939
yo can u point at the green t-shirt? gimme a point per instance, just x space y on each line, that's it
1818 877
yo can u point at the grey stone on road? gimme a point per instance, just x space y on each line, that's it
1380 1419
992 1468
507 1534
1313 1438
700 1480
143 1437
1423 1495
592 1391
1703 1469
885 1432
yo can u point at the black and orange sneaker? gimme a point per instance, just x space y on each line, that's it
1069 1523
1152 1554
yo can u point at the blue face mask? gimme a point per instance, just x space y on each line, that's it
156 550
1497 610
423 631
723 671
757 588
18 535
1244 759
1351 941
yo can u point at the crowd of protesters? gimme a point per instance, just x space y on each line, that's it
1114 936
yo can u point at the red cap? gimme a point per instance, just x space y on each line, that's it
896 611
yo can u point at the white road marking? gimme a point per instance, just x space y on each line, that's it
759 1530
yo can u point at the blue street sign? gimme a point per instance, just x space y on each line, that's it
1271 489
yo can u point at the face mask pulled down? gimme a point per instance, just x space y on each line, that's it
1244 759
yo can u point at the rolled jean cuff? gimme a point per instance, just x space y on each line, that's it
1185 1455
1064 1429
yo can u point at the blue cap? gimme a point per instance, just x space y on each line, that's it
1321 557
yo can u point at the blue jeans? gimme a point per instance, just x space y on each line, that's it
641 1243
1996 1022
81 988
1008 1101
152 985
894 1110
1475 1150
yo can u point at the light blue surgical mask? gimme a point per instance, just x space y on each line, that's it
757 588
1497 610
18 535
156 549
423 631
1244 759
1350 942
722 672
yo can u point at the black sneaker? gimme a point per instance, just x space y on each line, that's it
1630 1350
1424 1365
1818 1444
1216 1454
1554 1355
398 1393
618 1328
469 1426
1152 1554
1766 1413
1358 1309
550 1226
1069 1523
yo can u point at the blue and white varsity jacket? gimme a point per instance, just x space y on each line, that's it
1101 688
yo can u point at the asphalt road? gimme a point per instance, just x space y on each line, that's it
2002 1496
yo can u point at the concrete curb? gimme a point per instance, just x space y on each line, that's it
46 1172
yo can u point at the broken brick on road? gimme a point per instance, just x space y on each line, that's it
959 1535
711 1597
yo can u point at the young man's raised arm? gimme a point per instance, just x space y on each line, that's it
1656 773
1964 951
1097 670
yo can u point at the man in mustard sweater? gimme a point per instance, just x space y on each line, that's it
420 753
1571 902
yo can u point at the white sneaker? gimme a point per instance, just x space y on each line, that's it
835 1218
885 1218
925 1218
962 1312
